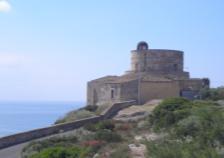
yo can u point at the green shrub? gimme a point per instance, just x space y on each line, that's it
93 145
175 149
169 112
124 126
204 124
90 127
122 151
61 152
37 146
193 126
211 122
188 127
108 136
106 124
212 94
75 115
91 108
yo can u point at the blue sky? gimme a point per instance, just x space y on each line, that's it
49 49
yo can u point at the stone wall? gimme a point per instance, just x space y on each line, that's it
43 132
157 60
113 110
158 90
100 93
129 90
191 84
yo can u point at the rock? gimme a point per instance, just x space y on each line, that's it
138 138
137 151
96 156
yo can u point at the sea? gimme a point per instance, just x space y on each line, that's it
18 117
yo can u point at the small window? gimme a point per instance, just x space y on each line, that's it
175 67
136 67
112 93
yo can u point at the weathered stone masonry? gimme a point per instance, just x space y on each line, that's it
154 74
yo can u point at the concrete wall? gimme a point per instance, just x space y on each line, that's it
158 90
43 132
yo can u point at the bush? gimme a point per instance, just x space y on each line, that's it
107 124
108 136
38 146
75 115
93 145
212 94
174 149
188 127
169 112
124 127
194 129
61 152
91 108
54 141
122 151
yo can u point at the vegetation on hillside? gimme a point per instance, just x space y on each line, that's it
182 129
195 129
88 111
84 143
212 93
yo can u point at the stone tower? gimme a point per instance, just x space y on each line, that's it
157 61
154 74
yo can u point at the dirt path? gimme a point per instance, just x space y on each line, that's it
12 152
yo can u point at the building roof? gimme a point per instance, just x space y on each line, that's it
105 79
135 76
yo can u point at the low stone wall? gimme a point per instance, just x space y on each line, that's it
43 132
47 131
115 108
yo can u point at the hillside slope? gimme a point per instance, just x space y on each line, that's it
175 128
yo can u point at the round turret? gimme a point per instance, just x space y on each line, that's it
142 46
156 60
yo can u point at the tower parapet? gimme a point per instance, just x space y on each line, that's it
161 61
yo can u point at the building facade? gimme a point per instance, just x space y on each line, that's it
154 74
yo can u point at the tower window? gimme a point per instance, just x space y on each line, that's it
112 93
175 67
136 67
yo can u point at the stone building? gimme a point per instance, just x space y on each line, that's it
154 74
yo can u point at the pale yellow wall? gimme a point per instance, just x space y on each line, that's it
158 90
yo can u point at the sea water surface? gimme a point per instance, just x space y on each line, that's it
23 116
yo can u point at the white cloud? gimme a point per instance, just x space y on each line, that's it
5 6
11 60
